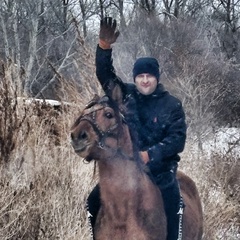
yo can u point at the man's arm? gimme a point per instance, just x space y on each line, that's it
104 65
104 69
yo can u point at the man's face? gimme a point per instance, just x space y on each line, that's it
146 83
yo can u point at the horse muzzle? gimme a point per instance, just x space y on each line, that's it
80 142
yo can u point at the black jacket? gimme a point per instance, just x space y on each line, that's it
162 128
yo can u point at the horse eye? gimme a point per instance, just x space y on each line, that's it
108 115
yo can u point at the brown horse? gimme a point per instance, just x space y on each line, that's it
131 204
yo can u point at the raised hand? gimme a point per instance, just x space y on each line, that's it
108 33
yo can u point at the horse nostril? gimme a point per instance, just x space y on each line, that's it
82 135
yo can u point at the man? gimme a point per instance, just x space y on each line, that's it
160 127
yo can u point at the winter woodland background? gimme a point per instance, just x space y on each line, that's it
47 51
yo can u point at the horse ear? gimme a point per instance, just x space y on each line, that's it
95 98
117 94
93 101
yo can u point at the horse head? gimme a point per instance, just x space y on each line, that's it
100 130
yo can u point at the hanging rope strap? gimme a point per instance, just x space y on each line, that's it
180 213
89 216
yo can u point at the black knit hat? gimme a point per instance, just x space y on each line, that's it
146 65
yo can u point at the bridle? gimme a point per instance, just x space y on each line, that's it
90 116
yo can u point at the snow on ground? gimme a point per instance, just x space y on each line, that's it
198 165
223 140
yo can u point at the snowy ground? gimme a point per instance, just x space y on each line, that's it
212 176
223 140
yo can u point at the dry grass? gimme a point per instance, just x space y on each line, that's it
44 184
217 178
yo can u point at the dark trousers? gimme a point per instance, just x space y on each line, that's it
168 185
93 205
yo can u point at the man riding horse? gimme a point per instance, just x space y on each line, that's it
157 117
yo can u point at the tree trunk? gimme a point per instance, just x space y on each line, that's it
32 50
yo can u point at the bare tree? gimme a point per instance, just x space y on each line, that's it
88 8
34 9
174 8
228 14
149 6
38 23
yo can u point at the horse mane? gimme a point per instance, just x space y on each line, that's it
128 111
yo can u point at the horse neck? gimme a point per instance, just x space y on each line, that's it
128 196
120 181
124 185
125 189
122 162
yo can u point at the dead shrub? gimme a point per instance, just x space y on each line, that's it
222 196
10 122
43 182
216 173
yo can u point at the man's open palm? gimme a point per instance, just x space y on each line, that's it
108 32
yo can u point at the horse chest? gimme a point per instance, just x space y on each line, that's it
125 214
126 225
